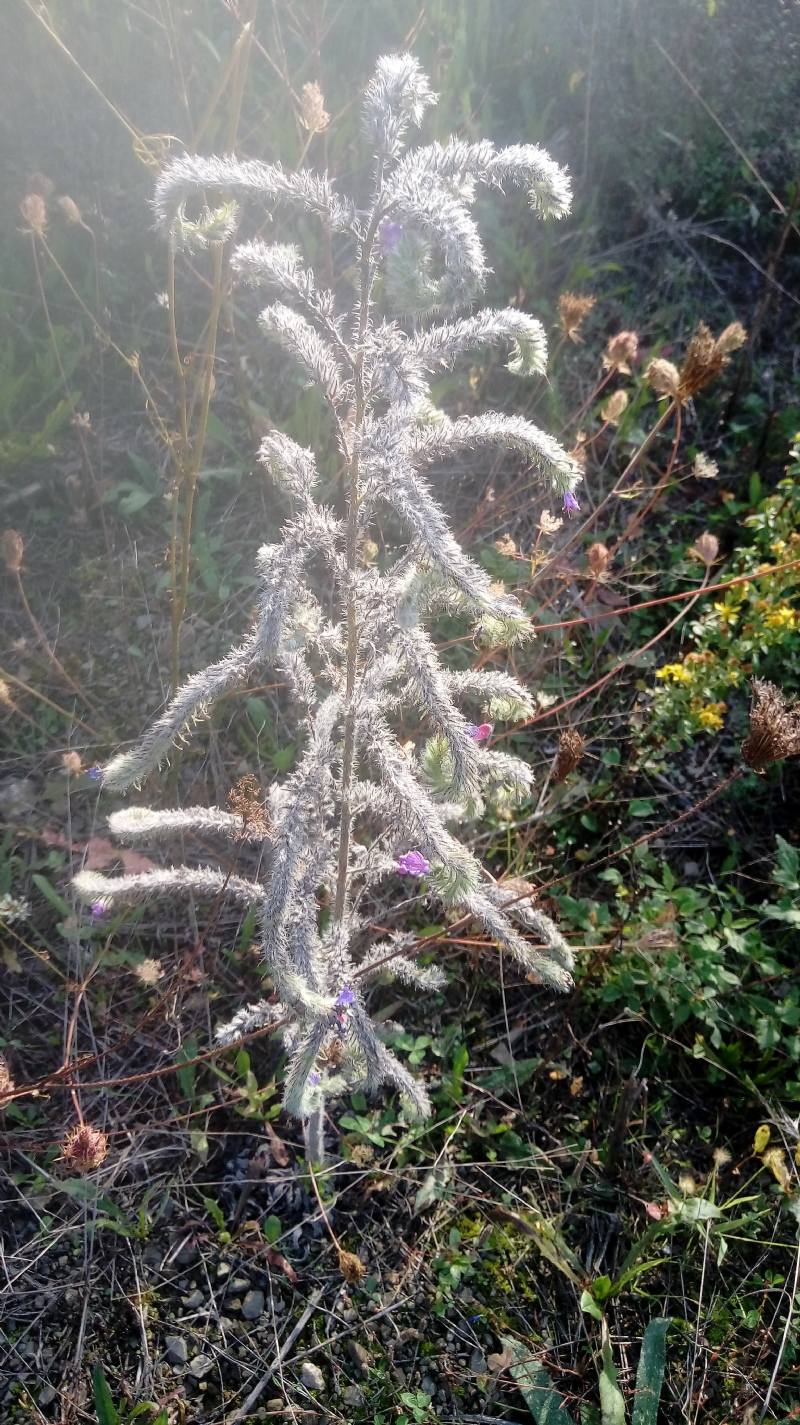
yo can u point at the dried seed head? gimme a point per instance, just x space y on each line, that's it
598 558
70 211
571 747
548 523
774 727
34 212
705 548
573 309
313 115
6 700
663 377
731 338
506 545
13 548
7 1084
614 408
351 1267
704 468
245 800
84 1148
621 351
72 764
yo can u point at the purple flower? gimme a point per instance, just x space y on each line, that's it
96 773
480 732
413 863
570 506
97 909
345 998
389 235
314 1078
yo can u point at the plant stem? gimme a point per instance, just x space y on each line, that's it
348 750
314 1130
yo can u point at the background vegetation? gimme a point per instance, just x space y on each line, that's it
608 1180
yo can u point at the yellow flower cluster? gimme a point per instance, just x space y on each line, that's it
782 616
709 715
674 673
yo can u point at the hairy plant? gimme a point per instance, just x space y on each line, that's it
362 806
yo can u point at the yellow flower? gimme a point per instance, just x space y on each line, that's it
782 616
674 673
710 715
726 613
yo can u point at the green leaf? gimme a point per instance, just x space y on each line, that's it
215 1212
51 894
272 1228
612 1405
650 1375
535 1386
589 1305
107 1413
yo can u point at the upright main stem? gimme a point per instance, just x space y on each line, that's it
354 495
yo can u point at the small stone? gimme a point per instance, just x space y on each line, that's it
194 1301
175 1350
47 1395
360 1357
312 1376
353 1395
237 1286
223 1270
477 1362
200 1366
253 1305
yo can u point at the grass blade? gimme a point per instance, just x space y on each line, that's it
536 1388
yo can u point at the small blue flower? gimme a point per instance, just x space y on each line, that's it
96 773
314 1078
345 998
389 235
97 909
570 506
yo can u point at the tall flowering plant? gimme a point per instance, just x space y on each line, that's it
360 807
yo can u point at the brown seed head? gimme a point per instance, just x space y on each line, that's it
72 764
7 1084
663 377
615 407
70 211
621 351
313 114
705 548
774 727
245 800
34 212
351 1267
571 747
84 1148
734 336
598 558
6 700
573 309
12 548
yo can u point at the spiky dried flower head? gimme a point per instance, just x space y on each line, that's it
774 727
351 1267
7 1084
313 114
72 764
84 1148
598 558
614 408
34 212
706 356
149 972
663 376
705 548
70 211
12 548
621 352
245 800
571 747
573 309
